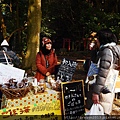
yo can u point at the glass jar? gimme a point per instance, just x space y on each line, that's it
42 83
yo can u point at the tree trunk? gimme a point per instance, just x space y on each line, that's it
33 40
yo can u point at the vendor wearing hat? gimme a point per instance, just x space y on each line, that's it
46 60
8 55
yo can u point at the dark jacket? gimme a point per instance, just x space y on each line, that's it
11 56
105 63
41 64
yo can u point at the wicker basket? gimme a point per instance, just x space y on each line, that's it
15 93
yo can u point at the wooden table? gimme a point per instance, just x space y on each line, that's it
47 104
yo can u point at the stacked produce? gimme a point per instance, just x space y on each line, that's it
14 90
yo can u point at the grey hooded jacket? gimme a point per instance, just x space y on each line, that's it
105 63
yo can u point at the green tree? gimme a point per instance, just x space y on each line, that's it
76 17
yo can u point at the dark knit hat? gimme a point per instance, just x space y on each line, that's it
45 40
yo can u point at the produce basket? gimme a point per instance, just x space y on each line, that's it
15 93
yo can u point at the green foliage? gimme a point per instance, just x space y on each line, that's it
14 13
72 19
12 16
76 19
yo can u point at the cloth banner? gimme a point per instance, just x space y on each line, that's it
8 72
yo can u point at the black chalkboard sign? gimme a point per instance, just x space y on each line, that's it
66 70
73 99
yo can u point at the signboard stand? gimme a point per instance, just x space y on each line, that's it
73 99
66 70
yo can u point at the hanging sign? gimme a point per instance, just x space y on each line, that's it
66 70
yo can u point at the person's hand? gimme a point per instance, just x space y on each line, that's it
48 73
95 98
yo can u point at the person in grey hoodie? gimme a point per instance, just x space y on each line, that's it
107 43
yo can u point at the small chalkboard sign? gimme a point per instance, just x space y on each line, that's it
73 99
66 70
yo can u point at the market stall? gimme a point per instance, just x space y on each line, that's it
39 100
45 105
47 98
